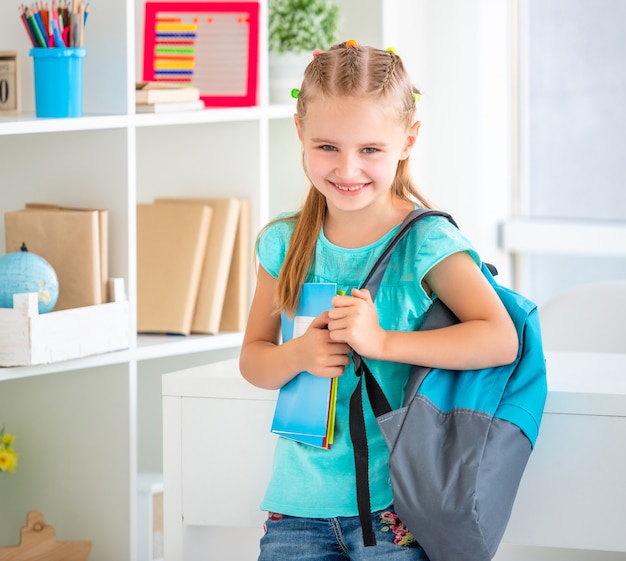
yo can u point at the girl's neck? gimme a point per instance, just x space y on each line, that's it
358 229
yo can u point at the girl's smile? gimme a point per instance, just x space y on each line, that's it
349 188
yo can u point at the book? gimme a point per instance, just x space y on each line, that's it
69 239
171 245
305 408
170 107
103 225
236 299
217 260
164 92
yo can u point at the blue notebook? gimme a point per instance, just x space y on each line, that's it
305 409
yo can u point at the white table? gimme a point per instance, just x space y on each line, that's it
573 493
217 460
218 451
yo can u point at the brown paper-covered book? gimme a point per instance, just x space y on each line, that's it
235 311
69 239
103 224
171 244
216 267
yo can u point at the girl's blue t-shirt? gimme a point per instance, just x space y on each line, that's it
311 482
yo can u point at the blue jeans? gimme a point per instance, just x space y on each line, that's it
288 538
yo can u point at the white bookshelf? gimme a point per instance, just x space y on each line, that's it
87 427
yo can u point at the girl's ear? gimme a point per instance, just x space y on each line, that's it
297 122
411 137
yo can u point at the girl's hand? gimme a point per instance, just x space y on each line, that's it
354 321
318 353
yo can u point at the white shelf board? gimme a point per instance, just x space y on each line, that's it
159 346
148 347
27 123
87 362
213 115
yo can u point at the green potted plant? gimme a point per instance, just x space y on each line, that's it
296 29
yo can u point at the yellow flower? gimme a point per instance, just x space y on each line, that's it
8 459
7 439
8 456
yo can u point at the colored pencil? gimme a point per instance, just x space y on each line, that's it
35 28
55 23
31 35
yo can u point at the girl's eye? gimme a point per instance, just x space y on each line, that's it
327 147
370 150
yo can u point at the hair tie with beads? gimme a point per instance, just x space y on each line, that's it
317 52
351 43
295 93
391 50
417 96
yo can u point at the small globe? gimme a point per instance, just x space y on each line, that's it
22 272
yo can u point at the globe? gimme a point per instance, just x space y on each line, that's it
22 272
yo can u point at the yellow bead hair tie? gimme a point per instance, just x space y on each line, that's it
351 43
417 97
391 50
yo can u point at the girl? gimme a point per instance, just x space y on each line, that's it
355 121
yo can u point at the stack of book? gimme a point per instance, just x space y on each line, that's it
305 408
165 97
193 263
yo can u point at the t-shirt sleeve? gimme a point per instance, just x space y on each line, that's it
272 245
436 239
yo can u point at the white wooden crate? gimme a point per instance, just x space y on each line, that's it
27 337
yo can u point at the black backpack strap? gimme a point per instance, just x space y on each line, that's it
378 400
372 282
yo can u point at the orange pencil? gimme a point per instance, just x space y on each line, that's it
43 10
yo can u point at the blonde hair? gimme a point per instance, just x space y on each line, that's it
344 70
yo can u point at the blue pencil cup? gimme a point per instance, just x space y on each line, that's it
58 81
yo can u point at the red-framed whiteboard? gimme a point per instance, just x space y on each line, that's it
213 46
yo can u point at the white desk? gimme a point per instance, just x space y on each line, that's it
218 451
217 460
573 493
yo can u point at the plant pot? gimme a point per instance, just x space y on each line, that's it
285 73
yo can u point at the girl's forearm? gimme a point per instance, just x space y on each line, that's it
268 365
465 346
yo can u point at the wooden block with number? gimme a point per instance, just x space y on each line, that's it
9 99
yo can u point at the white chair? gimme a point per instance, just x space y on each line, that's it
587 318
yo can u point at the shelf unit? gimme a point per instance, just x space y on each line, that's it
85 428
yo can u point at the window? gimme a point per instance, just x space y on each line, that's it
571 227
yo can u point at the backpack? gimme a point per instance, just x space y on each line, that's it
460 443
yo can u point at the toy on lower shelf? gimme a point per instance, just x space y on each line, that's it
38 543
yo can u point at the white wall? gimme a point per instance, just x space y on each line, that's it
460 55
